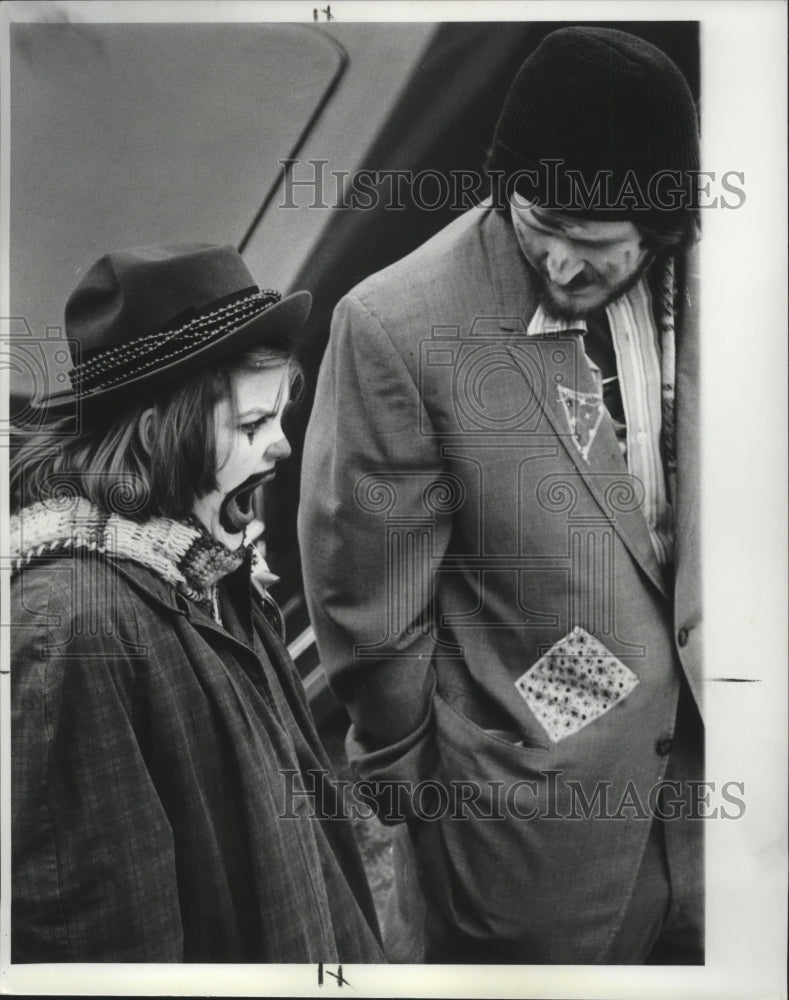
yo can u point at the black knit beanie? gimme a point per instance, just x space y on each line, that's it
603 124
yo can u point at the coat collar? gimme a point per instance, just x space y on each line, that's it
152 585
236 600
513 281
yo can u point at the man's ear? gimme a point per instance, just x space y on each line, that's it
146 430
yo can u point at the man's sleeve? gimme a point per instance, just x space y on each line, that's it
368 539
94 877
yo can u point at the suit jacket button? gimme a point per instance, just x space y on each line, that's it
664 746
682 637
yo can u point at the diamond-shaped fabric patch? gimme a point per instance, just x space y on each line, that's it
574 683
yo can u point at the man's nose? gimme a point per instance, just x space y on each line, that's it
279 449
563 264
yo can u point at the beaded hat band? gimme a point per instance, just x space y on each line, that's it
146 316
127 361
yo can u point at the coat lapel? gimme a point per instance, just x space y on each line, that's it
569 391
687 420
687 542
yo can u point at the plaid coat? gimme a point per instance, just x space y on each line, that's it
153 753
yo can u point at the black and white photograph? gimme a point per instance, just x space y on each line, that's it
393 453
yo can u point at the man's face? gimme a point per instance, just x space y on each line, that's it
583 264
249 443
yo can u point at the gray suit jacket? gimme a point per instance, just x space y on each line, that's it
454 534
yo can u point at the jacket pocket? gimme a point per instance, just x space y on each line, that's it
471 737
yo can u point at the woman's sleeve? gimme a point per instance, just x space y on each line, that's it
94 876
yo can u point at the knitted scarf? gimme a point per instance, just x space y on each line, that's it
182 554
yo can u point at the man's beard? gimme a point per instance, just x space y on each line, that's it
567 311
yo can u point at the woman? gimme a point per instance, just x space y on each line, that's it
160 733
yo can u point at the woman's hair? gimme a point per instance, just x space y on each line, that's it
136 465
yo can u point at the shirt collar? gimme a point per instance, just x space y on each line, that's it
542 323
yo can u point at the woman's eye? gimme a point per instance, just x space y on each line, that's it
250 428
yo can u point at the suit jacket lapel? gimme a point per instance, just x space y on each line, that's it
687 540
564 363
687 421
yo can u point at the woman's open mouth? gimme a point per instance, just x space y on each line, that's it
236 511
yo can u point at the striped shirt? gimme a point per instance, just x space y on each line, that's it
635 341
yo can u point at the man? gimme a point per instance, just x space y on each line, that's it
499 533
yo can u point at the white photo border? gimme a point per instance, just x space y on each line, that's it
744 365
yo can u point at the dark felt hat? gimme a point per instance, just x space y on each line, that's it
605 106
143 317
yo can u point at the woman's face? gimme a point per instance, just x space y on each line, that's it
249 443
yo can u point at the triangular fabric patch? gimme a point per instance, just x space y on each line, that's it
583 412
